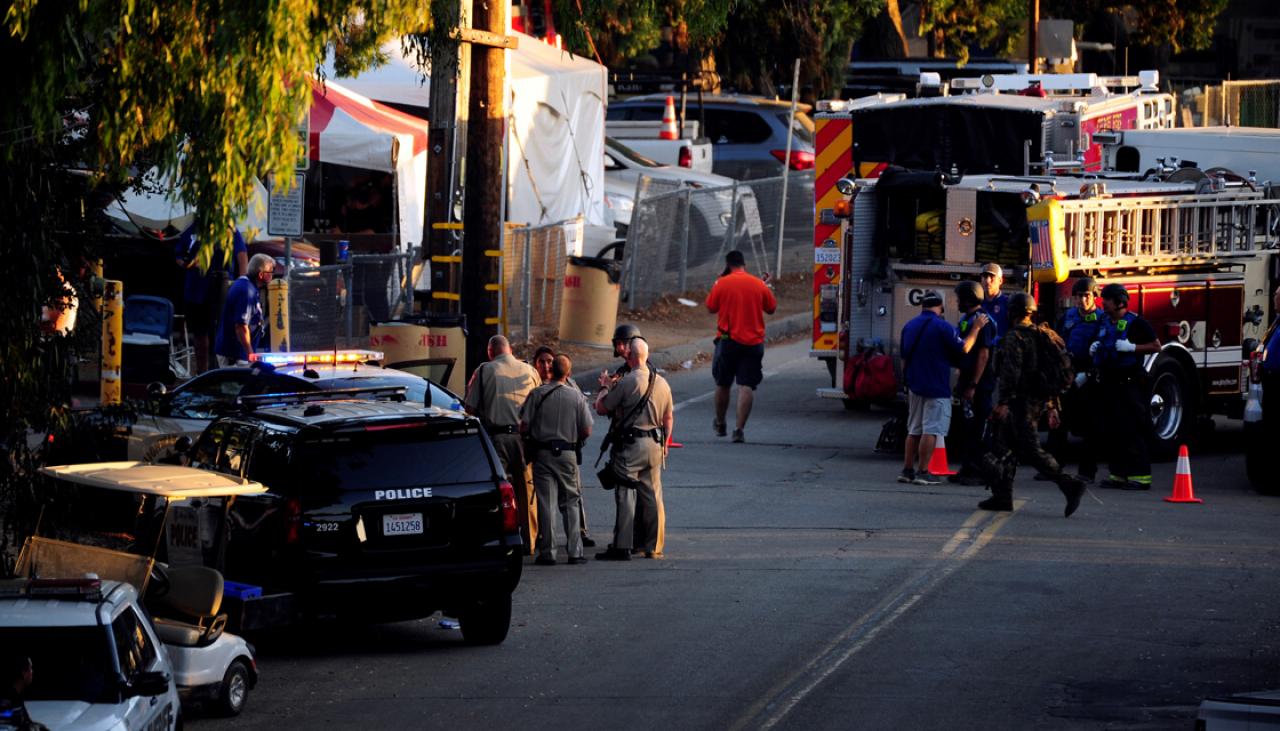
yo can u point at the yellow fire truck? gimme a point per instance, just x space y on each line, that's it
1196 252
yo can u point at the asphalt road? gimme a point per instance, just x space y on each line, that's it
805 589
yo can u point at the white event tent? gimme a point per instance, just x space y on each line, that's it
555 126
346 129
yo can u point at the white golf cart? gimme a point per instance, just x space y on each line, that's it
116 520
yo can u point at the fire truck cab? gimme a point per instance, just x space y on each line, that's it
1197 257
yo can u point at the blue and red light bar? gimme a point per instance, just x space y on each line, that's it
316 357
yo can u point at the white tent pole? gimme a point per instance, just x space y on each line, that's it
786 165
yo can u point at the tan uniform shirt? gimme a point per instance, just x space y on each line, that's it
499 388
623 397
557 412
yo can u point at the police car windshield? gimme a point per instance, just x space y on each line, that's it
415 388
383 458
67 663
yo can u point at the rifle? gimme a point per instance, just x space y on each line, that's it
616 425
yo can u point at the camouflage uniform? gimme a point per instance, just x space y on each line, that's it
1017 437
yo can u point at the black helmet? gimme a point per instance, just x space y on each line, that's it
626 331
969 294
1116 293
1021 304
1085 284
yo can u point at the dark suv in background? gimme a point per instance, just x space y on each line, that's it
748 133
380 510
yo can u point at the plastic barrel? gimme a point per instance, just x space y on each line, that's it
449 340
589 303
400 341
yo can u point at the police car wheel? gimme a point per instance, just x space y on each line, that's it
234 692
486 621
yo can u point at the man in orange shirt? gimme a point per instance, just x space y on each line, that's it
740 300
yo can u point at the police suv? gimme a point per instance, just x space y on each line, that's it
96 662
188 409
383 510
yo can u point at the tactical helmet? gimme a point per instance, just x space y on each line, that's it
626 331
969 294
1085 284
1021 304
1116 293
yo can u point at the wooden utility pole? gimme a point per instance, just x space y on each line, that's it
482 232
1033 37
446 139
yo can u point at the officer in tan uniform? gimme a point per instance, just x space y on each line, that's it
556 421
495 394
639 451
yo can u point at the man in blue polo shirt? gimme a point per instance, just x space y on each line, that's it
930 347
241 324
995 304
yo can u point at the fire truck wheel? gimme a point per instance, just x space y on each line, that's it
1172 407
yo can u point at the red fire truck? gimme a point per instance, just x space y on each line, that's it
981 125
1197 254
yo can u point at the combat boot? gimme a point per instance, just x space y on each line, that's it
999 501
1073 489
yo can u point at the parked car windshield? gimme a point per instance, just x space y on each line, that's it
614 147
67 663
386 457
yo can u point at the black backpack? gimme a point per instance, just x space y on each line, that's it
1052 375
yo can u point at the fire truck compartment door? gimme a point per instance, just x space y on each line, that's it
1045 226
962 224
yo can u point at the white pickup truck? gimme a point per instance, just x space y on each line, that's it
691 151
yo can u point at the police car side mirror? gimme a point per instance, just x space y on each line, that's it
156 390
148 684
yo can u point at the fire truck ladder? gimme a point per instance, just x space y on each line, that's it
1127 232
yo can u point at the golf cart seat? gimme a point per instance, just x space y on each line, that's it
187 615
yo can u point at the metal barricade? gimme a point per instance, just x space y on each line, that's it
679 235
332 306
533 264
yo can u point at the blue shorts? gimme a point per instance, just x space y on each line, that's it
734 361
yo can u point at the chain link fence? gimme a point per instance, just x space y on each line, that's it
332 306
1243 104
533 266
679 235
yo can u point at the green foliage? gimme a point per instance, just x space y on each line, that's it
47 238
959 24
624 29
209 91
768 36
1182 24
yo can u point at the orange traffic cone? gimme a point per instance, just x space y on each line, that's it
1182 492
938 462
668 131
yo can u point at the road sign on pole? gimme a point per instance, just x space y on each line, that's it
285 209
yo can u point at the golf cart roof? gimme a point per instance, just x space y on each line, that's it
168 481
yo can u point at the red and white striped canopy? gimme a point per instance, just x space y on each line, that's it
350 129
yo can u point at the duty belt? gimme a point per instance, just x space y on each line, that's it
557 445
654 434
495 430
